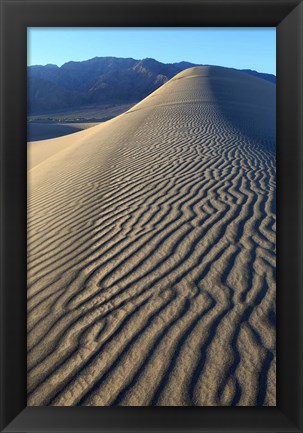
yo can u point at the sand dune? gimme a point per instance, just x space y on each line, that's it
151 251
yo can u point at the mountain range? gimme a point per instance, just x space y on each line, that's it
99 81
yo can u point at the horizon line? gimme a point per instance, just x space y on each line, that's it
145 58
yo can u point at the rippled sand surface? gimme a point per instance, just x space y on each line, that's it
151 251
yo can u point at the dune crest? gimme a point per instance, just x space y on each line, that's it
151 251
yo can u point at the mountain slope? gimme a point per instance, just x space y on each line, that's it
151 251
101 80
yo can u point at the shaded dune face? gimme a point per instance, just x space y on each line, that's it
151 252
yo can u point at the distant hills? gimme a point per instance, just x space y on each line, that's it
99 81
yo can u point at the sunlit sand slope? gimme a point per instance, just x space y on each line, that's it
151 251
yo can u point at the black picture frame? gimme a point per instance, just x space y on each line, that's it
287 17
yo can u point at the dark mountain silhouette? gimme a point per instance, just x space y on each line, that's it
101 80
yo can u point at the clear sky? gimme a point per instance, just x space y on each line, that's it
241 48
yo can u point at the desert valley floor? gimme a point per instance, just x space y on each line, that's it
151 251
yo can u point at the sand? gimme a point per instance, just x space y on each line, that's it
151 251
37 131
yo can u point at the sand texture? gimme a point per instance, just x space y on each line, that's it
151 251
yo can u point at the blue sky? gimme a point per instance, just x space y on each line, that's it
241 48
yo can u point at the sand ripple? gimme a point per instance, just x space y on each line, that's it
151 251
